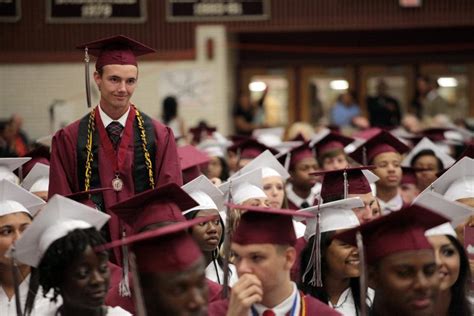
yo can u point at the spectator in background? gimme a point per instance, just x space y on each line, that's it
248 115
170 117
384 110
7 140
345 110
431 102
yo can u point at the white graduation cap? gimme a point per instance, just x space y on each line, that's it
60 217
245 186
334 215
354 145
425 143
45 140
14 199
285 147
457 182
37 179
456 212
270 166
8 165
317 137
212 148
205 193
269 136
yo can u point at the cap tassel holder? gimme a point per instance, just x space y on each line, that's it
88 80
16 283
346 184
364 156
138 297
229 225
124 285
363 275
314 262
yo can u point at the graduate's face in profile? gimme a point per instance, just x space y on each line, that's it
214 168
178 293
388 169
447 259
86 281
370 210
270 263
301 174
11 228
406 282
208 234
274 188
116 84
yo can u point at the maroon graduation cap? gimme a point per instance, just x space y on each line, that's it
381 143
85 197
296 154
250 148
332 141
261 225
40 154
161 204
116 50
191 159
201 131
396 232
165 249
333 184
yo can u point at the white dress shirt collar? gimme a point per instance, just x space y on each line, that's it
291 195
393 205
284 307
107 119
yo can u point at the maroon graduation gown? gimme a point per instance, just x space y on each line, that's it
313 308
64 167
295 271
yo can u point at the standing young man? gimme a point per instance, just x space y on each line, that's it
263 249
115 145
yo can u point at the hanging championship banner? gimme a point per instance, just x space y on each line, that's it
217 10
10 10
95 11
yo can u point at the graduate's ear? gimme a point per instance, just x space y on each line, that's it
290 255
97 78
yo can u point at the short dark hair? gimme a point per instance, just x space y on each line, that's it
427 152
61 254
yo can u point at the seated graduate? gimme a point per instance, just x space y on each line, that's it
263 250
451 257
147 211
9 165
209 235
37 181
329 147
302 187
429 157
60 243
401 262
17 207
335 281
168 269
385 152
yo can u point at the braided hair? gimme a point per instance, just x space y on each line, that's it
61 254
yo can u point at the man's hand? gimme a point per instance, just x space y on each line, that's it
247 291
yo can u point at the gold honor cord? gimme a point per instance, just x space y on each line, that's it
90 156
146 154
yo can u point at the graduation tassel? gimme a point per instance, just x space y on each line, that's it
287 161
363 275
229 227
88 80
16 283
346 184
138 297
319 281
364 156
124 285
